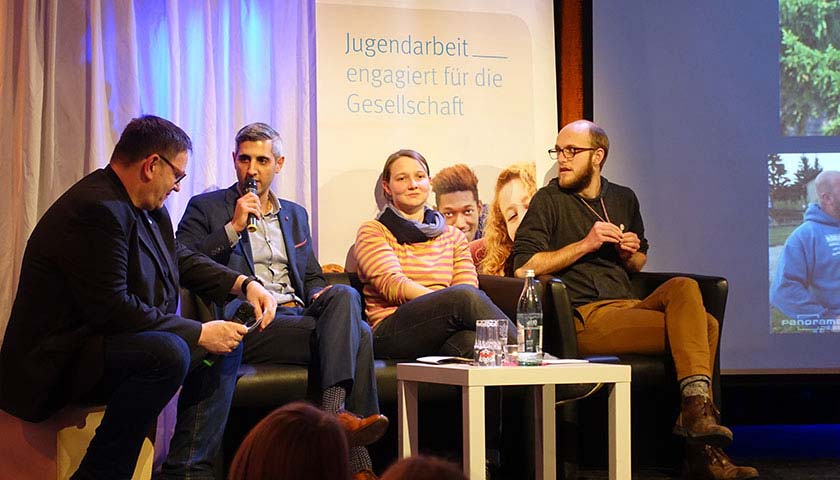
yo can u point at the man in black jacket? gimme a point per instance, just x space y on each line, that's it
94 318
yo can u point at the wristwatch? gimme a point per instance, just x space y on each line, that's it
246 282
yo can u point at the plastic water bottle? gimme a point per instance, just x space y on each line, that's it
529 323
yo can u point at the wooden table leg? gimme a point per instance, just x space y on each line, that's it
619 420
473 435
407 418
545 447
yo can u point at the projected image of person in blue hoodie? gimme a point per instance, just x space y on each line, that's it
806 287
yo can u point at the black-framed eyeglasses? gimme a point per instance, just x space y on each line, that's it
568 152
179 175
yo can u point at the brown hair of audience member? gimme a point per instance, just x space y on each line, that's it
295 442
423 468
498 243
457 178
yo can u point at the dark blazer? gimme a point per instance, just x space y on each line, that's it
94 267
203 229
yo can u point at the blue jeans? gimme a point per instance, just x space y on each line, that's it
331 334
438 323
142 372
203 407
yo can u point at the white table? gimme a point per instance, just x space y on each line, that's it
472 381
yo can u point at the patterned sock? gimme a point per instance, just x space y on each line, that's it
695 385
360 459
332 399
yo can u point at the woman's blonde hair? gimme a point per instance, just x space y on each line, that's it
496 240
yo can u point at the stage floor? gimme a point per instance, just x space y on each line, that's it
779 452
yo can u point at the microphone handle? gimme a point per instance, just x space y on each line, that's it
251 187
252 223
244 315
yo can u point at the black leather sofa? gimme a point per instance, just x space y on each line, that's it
261 388
582 435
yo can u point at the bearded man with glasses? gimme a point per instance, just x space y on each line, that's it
589 232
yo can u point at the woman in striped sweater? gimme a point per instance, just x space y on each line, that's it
420 284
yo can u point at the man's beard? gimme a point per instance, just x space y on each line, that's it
582 181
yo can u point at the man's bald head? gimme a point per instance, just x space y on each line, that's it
827 184
597 135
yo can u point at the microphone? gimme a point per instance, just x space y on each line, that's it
246 316
251 186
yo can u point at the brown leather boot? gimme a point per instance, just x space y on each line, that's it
705 462
698 422
362 431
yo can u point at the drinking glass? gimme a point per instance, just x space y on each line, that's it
487 347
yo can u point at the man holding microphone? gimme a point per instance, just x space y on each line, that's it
277 249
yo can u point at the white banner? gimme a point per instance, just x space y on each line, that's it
460 82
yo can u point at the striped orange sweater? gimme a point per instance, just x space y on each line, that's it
386 267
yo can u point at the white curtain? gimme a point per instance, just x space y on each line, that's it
74 72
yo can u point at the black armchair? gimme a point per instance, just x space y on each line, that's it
655 392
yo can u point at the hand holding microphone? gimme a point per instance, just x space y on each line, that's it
246 315
221 337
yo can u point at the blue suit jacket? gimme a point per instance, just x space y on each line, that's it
203 229
92 268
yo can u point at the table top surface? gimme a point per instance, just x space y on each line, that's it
469 375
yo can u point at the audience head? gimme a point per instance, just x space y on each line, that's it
423 468
580 149
514 188
456 197
258 155
405 182
827 184
294 442
150 159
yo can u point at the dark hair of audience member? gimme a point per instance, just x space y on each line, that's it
423 468
294 442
